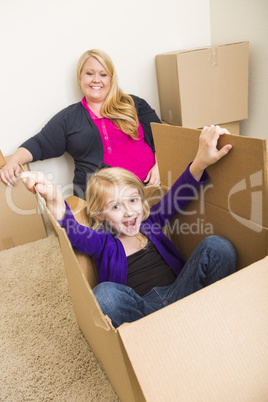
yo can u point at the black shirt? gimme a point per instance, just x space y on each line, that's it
147 269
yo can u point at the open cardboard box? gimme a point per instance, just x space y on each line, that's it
212 345
199 87
20 215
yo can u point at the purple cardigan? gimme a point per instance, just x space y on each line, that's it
108 251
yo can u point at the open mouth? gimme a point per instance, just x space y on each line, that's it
130 224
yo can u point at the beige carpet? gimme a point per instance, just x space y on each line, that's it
43 354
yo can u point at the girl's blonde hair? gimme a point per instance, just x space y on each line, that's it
118 107
100 184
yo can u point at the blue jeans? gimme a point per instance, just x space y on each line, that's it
212 260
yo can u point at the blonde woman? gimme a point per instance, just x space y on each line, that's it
139 270
107 128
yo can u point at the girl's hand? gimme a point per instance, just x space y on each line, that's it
38 181
207 153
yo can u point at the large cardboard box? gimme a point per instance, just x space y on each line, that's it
20 215
212 345
204 86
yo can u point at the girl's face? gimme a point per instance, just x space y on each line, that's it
123 211
95 82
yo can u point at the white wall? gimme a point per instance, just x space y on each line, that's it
41 42
239 20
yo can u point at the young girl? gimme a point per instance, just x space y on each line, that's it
139 269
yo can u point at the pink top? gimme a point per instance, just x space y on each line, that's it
120 150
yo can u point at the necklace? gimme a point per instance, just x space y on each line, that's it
143 240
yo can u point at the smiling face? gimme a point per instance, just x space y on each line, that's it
95 82
123 211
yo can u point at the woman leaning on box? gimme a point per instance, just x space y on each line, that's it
107 128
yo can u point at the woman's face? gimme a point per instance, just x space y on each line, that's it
95 82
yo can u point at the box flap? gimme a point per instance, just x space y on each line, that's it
97 328
20 216
210 346
233 203
233 180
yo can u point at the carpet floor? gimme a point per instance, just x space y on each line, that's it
43 354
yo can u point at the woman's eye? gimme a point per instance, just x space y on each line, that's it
104 75
89 73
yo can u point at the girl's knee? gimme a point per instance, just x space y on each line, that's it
104 294
223 247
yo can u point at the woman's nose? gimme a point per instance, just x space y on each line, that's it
96 78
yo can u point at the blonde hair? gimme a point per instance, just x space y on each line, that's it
118 107
100 184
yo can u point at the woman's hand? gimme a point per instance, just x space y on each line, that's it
153 177
9 172
207 153
38 181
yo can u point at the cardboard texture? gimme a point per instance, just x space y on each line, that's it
204 86
212 345
20 215
215 339
234 201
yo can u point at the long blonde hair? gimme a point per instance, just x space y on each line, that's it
118 107
100 184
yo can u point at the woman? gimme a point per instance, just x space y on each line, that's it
107 128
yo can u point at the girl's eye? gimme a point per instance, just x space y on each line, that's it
116 206
134 200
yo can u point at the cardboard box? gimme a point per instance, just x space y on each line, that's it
233 127
20 215
212 345
233 203
204 86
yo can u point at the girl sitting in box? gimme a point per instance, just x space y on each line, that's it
139 269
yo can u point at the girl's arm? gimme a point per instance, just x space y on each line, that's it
186 186
54 200
82 238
